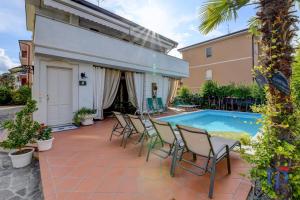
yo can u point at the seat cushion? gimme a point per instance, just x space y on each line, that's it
219 142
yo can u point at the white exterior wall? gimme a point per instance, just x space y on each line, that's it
59 44
86 92
82 96
71 42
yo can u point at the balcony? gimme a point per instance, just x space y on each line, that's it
59 39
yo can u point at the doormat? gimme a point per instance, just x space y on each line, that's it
63 128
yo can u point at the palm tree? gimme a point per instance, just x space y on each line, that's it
276 24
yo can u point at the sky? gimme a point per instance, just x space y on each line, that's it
175 19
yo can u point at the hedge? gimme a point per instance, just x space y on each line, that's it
14 97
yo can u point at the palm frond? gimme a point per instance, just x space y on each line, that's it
214 12
254 26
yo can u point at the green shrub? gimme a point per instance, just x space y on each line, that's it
257 92
22 129
229 89
21 96
209 89
184 92
242 92
81 113
5 95
44 133
295 81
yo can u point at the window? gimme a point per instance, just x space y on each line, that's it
208 52
24 54
208 75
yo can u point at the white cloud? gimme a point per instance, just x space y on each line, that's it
6 62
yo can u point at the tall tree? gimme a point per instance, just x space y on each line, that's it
295 83
276 23
7 80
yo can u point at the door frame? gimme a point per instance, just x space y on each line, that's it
43 76
60 70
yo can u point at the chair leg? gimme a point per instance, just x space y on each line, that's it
150 146
126 138
228 161
142 144
175 159
123 136
212 179
114 128
194 157
228 164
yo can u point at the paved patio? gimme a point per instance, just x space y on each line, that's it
83 164
19 184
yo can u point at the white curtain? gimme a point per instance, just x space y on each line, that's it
165 90
174 83
112 80
99 81
131 88
139 79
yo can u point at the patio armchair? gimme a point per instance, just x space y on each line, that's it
200 143
140 127
165 135
121 128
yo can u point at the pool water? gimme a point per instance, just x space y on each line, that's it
218 121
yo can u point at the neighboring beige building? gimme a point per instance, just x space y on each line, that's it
226 59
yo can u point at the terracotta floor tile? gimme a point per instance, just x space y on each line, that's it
66 184
88 184
77 196
60 171
226 186
222 196
184 193
102 196
130 185
83 164
242 191
109 184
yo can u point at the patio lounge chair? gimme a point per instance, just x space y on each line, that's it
150 106
165 135
140 127
200 143
121 128
160 104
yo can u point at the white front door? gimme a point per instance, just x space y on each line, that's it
59 87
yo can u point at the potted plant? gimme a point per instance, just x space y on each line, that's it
44 138
84 116
21 131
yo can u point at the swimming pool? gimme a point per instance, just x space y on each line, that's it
218 121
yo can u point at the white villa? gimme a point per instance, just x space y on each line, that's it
81 52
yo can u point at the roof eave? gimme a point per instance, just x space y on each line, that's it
223 37
122 19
